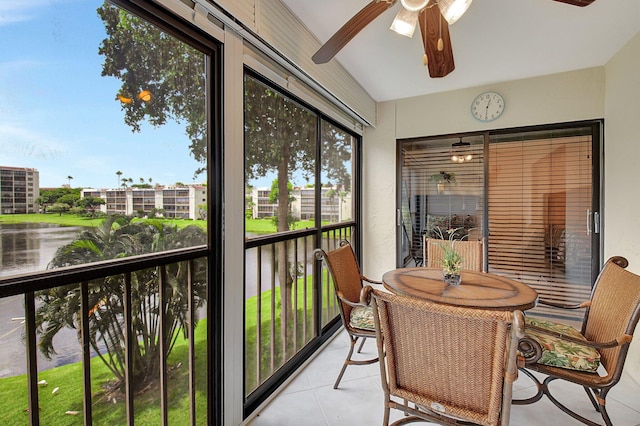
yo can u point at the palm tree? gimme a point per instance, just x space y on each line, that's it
69 179
118 237
119 173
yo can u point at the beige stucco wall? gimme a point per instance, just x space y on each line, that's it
570 96
622 174
611 92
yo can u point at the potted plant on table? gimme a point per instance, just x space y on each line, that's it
451 259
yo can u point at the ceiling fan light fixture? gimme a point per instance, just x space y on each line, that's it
452 10
405 22
460 152
414 5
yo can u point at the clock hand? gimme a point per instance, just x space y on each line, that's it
486 110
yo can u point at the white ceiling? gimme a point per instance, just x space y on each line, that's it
495 41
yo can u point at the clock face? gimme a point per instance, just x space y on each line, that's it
487 106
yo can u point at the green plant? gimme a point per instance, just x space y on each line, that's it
443 176
451 259
119 237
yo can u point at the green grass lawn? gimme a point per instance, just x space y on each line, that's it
60 408
253 226
304 332
64 220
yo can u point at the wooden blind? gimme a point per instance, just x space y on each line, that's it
539 199
427 204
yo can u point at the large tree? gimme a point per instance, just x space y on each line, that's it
280 138
90 203
58 208
280 135
145 58
57 195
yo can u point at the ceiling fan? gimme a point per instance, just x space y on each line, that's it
434 18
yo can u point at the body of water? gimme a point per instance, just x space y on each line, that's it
27 248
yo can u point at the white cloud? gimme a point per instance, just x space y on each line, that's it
12 12
20 11
20 142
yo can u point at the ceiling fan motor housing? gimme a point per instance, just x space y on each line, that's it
414 5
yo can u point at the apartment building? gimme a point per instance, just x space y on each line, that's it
19 186
336 204
174 202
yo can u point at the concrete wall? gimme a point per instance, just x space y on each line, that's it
611 92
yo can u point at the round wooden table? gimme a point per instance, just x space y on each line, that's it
477 290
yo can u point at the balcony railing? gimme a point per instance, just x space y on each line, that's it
131 308
280 324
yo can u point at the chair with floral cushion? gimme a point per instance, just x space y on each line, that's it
357 317
593 357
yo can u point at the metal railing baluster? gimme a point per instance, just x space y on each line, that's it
192 342
273 309
305 289
295 296
259 315
86 353
128 353
164 338
32 364
285 298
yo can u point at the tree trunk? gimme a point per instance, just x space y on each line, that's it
285 279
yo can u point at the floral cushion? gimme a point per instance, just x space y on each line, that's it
362 318
560 353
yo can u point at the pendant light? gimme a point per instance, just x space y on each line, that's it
461 152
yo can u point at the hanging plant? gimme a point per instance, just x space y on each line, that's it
443 176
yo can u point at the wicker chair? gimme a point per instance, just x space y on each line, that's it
357 317
455 365
471 252
609 322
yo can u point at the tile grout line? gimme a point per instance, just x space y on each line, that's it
315 397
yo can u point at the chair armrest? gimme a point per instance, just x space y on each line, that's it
365 295
564 305
363 278
350 303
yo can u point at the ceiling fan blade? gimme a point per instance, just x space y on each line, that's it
434 27
351 29
580 3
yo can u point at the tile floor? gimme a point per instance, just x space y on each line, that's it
310 400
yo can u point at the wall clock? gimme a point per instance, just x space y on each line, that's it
487 106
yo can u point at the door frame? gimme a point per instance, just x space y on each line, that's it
597 196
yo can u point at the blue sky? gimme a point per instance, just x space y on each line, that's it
60 116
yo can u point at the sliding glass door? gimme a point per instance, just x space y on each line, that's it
532 194
542 210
